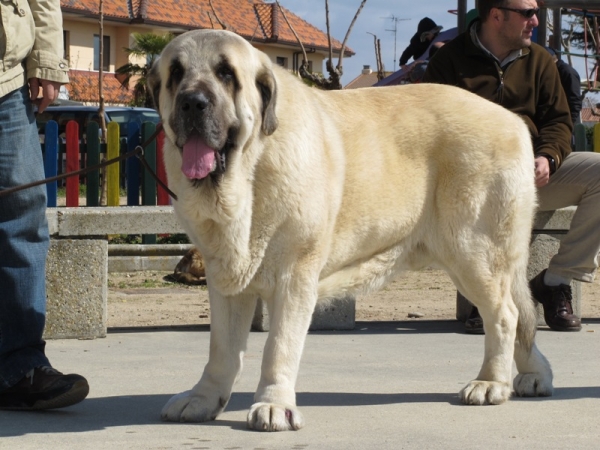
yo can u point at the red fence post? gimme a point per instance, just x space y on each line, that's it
162 198
72 136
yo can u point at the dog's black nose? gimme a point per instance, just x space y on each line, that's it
194 102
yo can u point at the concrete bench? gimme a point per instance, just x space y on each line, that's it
78 265
548 229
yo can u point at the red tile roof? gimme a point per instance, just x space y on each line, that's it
253 19
365 80
83 87
590 115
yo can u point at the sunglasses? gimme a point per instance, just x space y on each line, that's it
527 13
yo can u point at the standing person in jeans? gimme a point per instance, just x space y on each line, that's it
496 59
31 48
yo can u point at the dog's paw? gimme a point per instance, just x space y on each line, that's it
533 385
190 407
479 392
272 417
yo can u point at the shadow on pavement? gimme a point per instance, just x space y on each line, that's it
396 327
101 413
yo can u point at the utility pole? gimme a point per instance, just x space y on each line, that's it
395 31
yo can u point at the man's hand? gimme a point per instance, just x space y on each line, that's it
49 92
542 171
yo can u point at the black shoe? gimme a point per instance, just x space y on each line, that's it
474 324
557 303
44 388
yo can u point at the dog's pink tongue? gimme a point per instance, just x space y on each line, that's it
198 158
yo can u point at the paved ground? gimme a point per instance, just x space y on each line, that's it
385 385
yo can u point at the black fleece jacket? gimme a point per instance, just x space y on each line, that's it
529 86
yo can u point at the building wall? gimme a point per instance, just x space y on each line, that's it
81 38
274 52
81 51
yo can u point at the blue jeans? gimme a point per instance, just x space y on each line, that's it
24 242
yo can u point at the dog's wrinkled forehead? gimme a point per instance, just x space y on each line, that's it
205 53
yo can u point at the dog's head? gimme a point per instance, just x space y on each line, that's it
214 93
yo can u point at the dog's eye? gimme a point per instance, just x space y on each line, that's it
176 73
225 73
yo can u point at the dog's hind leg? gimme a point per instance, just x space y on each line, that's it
231 318
535 375
492 296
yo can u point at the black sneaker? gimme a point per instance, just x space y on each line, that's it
557 303
474 324
44 388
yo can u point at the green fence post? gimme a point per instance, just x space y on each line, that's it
580 139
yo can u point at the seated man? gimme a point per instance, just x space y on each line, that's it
496 59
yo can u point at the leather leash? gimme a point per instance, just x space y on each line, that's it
138 152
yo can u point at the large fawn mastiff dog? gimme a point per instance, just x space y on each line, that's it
294 195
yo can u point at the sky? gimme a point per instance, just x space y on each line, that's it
379 17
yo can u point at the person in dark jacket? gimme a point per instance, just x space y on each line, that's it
419 43
571 83
496 59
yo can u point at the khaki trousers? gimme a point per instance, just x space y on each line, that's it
576 183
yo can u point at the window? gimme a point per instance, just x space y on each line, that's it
105 52
281 61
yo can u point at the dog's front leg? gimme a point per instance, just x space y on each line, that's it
275 399
231 318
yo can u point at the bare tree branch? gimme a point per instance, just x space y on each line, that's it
328 30
377 45
216 15
380 71
335 74
339 66
305 60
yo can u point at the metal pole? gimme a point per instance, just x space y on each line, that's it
557 24
542 29
462 15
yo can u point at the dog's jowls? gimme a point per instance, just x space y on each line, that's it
295 195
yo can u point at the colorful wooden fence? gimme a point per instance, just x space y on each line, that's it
582 143
68 154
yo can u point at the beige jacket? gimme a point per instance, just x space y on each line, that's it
31 43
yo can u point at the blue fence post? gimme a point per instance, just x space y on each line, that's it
51 160
133 165
148 183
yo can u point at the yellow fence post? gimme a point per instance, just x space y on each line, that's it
597 138
113 142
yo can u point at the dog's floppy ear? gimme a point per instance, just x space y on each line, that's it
267 86
153 83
